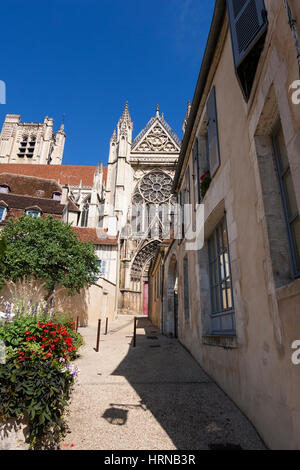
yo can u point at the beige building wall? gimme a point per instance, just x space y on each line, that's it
97 301
254 367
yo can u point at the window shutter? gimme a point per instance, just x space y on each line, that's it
212 131
248 21
197 169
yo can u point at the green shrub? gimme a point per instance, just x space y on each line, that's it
37 391
36 380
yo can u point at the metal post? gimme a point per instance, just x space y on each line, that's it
106 325
134 333
77 324
98 335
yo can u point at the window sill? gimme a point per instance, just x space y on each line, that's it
289 290
221 341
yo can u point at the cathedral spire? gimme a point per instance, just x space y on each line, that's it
126 114
114 136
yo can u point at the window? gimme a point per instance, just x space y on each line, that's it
102 270
248 27
3 211
56 196
288 198
85 215
27 147
186 289
4 189
33 213
222 317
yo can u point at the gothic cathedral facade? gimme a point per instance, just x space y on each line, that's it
139 183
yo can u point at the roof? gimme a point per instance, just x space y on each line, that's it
97 236
17 201
30 185
63 174
215 29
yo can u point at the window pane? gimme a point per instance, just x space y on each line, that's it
295 226
290 194
281 150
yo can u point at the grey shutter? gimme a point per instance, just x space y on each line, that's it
197 168
212 131
248 21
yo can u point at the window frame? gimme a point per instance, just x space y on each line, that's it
2 217
39 213
218 254
284 199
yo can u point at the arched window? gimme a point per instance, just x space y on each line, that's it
85 214
23 145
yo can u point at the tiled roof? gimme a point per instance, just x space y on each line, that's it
63 174
48 206
30 185
98 236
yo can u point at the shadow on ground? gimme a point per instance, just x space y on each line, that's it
187 404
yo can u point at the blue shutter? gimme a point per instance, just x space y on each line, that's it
213 135
248 22
197 168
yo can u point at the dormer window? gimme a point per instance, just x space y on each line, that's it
4 188
3 211
33 213
56 196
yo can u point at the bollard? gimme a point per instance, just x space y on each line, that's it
77 324
98 336
134 333
106 325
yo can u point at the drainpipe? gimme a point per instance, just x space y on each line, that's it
292 24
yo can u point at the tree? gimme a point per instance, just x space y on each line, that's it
46 249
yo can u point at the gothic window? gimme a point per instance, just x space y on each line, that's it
156 187
23 146
30 147
27 147
85 215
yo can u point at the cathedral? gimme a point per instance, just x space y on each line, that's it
140 174
121 201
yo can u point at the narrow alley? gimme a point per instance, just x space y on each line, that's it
151 397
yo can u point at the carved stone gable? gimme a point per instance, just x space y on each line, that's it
156 139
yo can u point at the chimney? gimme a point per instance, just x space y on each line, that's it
64 195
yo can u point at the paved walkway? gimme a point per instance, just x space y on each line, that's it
152 397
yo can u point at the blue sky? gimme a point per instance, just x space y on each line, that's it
85 58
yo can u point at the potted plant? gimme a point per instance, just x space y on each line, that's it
205 180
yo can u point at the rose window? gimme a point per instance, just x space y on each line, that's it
156 187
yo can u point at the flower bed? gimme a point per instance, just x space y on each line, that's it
36 379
